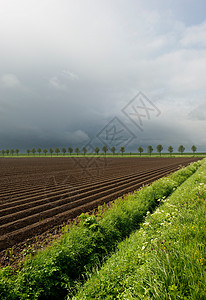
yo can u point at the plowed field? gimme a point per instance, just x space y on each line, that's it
39 193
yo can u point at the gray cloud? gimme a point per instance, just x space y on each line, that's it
69 68
198 114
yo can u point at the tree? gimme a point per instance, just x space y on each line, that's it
96 150
39 151
194 149
170 150
57 151
113 149
105 149
51 151
3 152
149 149
12 151
64 150
84 150
77 151
140 150
33 150
45 151
17 151
28 151
122 150
159 149
181 149
7 151
70 149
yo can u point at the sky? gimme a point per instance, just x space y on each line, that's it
77 73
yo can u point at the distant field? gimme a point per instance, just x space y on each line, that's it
175 154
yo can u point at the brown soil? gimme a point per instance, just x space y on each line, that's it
39 195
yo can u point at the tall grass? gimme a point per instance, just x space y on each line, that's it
165 258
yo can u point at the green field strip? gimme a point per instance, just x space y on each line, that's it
132 154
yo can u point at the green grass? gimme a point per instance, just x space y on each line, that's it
53 272
175 154
165 258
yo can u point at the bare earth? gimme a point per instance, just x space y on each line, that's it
39 195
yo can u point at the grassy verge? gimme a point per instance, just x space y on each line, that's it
165 258
54 271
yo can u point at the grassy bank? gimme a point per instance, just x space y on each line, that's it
165 258
54 271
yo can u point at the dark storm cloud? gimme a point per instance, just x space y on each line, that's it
68 69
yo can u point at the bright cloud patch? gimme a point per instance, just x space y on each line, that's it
9 81
195 36
63 80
